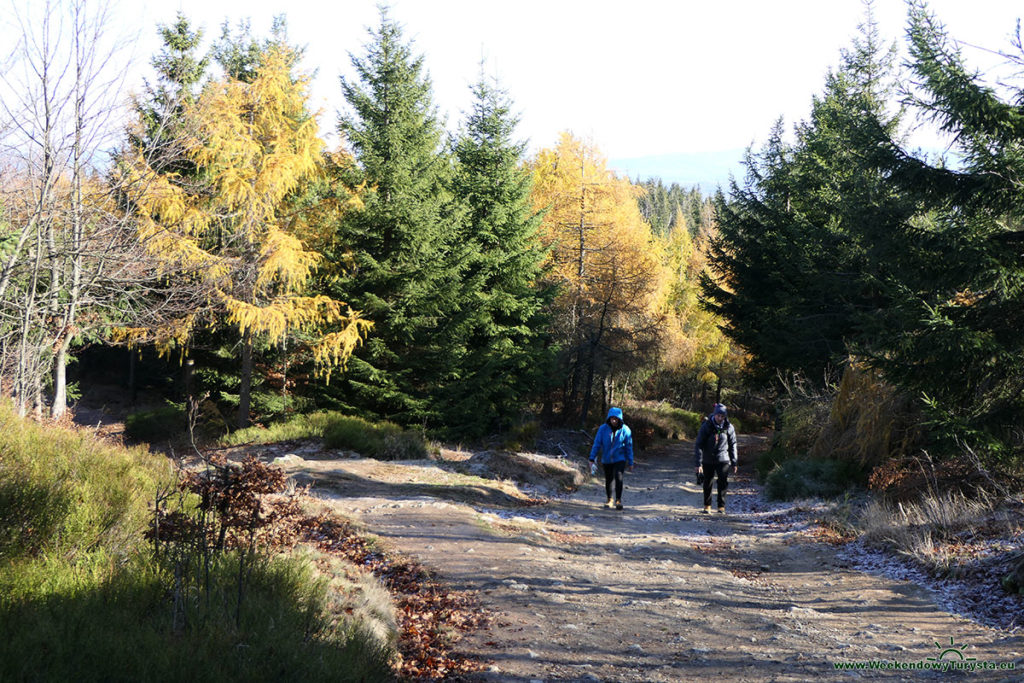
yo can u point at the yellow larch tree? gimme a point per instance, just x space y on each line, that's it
253 144
606 261
696 345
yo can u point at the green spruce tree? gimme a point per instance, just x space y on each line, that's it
959 304
161 108
241 54
503 349
799 245
406 261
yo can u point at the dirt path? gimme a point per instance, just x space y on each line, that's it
658 592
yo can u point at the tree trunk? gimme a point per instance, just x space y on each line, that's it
60 393
574 383
608 395
284 376
133 392
189 378
60 382
587 393
594 345
244 396
37 395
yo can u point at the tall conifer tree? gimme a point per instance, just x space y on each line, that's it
161 110
960 302
503 347
796 255
403 245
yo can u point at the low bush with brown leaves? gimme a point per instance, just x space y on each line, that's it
245 507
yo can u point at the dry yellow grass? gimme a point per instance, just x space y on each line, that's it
870 422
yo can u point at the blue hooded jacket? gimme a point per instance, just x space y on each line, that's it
614 446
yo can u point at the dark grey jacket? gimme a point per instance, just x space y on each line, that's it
716 444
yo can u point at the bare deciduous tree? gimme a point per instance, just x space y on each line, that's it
71 265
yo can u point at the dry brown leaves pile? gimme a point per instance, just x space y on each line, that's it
241 504
831 534
430 615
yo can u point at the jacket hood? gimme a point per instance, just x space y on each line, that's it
614 412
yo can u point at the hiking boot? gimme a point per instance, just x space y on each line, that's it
609 504
618 505
721 508
707 509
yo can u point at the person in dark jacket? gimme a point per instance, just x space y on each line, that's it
614 442
716 452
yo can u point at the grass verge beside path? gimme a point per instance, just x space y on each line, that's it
381 440
81 597
666 421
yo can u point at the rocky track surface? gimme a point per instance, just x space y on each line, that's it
659 591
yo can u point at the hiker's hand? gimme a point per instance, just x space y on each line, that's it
735 469
630 468
697 470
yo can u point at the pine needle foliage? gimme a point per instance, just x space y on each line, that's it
804 243
960 303
159 133
406 259
503 350
254 143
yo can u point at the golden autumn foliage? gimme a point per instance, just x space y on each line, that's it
602 251
605 258
694 338
235 231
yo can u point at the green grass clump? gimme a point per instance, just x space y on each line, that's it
82 597
155 426
64 494
771 459
295 428
382 440
523 437
668 422
807 478
122 626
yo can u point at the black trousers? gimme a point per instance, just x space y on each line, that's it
721 472
614 472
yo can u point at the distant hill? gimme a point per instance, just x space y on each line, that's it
706 170
709 170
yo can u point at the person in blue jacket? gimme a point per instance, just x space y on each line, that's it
614 442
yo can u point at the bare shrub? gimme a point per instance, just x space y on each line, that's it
804 409
907 478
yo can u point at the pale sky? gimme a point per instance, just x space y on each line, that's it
639 78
